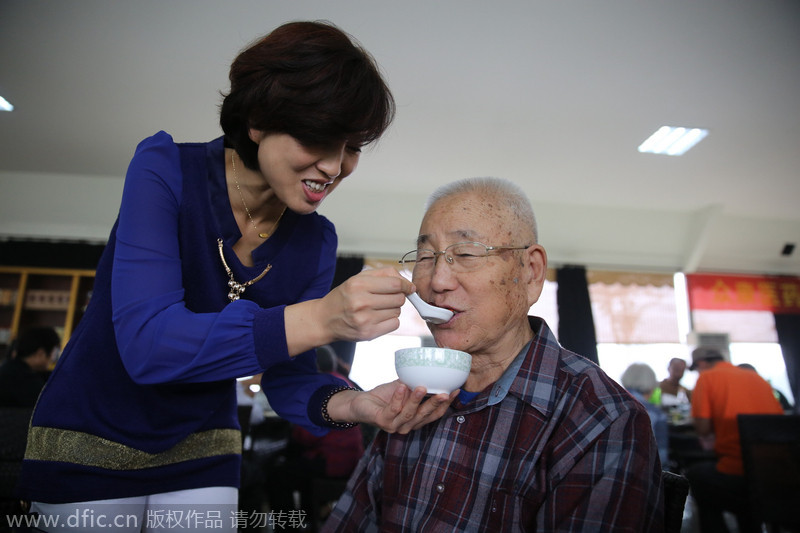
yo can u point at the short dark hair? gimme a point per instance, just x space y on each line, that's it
309 80
34 338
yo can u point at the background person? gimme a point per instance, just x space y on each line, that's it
539 438
782 399
310 456
219 267
670 392
723 392
22 374
640 380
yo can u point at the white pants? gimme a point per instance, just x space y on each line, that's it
207 509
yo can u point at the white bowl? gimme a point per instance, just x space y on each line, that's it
437 369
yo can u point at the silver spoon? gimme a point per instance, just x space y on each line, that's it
430 313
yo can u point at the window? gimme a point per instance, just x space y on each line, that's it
638 318
630 308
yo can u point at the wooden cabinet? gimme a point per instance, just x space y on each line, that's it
42 297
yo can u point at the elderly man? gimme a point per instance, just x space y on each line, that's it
539 439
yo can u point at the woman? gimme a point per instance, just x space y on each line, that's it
219 267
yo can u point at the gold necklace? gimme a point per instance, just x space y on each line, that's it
246 210
236 288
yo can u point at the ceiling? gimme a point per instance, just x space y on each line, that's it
554 95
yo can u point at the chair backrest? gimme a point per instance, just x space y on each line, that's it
243 413
676 489
771 457
14 422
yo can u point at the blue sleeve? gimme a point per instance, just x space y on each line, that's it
293 393
159 339
291 387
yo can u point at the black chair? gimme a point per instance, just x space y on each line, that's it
243 413
676 489
14 422
771 457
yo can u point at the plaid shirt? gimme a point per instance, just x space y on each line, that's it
553 445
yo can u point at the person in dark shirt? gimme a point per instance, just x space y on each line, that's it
21 376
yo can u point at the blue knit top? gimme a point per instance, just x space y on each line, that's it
143 400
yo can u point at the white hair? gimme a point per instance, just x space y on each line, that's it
639 377
508 192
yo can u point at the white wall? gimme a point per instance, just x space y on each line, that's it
54 206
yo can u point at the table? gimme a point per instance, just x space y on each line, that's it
684 446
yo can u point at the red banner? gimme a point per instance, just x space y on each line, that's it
744 293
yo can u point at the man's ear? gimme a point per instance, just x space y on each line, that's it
537 261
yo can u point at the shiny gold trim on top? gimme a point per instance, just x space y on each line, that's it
53 444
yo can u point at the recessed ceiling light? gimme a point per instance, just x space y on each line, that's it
5 105
669 140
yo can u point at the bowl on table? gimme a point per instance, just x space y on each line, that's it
439 370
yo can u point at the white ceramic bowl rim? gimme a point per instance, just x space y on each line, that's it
433 357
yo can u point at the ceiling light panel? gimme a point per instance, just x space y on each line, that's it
670 140
5 105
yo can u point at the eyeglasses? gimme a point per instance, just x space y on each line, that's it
462 257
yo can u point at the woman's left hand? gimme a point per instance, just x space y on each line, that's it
391 406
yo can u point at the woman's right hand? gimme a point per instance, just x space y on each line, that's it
364 307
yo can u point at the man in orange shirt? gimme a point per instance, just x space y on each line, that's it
722 392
